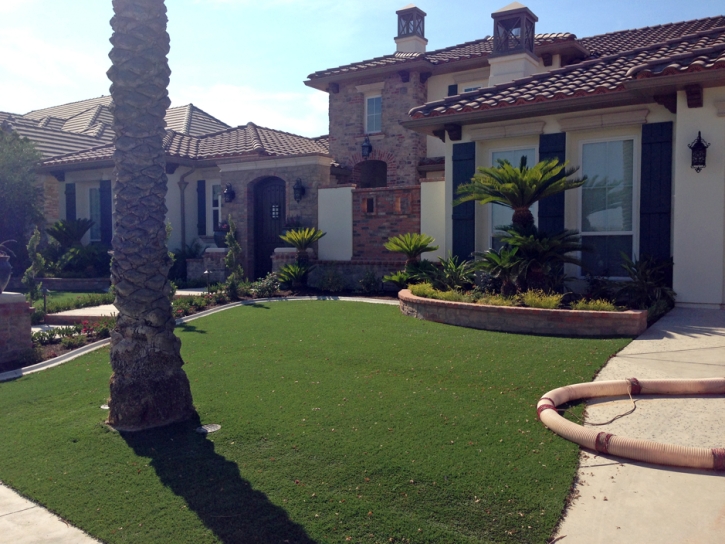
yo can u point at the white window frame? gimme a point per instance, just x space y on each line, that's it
636 167
491 226
97 224
368 98
210 206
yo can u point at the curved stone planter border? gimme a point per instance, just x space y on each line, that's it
524 320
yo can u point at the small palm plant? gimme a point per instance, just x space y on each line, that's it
69 232
301 239
519 188
412 245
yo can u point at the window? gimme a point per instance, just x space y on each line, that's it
94 199
501 215
468 87
373 114
607 200
216 206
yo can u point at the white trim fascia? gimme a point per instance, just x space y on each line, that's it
315 160
605 120
370 87
507 130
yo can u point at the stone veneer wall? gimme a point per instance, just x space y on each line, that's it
15 335
396 210
242 208
400 148
352 272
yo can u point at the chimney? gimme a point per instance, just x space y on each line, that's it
411 30
514 29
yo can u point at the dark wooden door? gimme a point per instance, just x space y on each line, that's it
269 219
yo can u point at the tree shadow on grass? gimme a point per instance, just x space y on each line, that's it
190 328
185 461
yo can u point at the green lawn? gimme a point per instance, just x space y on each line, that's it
59 301
338 420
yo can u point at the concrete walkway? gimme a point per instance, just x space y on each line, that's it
24 522
630 502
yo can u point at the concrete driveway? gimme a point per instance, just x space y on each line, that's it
630 502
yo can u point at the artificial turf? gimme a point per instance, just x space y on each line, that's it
339 422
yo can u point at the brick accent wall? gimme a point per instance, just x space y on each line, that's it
401 148
15 335
378 214
242 208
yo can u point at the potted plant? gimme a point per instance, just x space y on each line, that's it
220 234
5 269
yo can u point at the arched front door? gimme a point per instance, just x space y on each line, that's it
269 220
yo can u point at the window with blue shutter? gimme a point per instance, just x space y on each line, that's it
464 215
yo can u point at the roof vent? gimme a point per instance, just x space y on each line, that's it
411 30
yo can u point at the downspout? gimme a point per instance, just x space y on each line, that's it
182 188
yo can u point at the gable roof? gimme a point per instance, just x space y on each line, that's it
247 141
609 74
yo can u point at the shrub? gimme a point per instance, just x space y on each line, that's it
369 283
400 279
453 275
44 338
73 342
539 299
37 265
596 305
69 232
411 244
99 329
648 283
302 238
426 290
492 299
81 301
294 273
265 287
177 273
331 280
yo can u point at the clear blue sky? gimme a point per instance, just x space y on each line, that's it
245 60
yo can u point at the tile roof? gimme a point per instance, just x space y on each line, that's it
244 141
607 74
477 48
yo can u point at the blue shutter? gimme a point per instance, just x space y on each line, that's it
70 201
464 215
106 212
655 208
551 210
453 89
201 207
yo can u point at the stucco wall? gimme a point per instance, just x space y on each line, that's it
433 215
699 204
335 218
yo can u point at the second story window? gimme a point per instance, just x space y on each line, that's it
373 114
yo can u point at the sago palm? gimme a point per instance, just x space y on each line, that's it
411 244
518 188
148 386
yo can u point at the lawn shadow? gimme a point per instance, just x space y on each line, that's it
185 461
190 328
258 306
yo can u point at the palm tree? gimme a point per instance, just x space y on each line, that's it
148 386
519 188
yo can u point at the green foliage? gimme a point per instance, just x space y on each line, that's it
73 342
233 258
518 188
426 290
19 199
648 283
75 301
177 272
491 299
400 279
595 305
265 287
37 265
503 265
99 329
69 232
411 244
369 284
302 238
538 299
294 273
330 280
454 275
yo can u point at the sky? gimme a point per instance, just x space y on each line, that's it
246 60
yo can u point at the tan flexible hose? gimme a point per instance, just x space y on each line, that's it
630 448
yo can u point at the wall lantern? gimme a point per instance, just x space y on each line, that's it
367 148
299 190
699 153
229 193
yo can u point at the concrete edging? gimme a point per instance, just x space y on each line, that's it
524 320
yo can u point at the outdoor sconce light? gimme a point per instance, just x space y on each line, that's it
229 193
299 190
367 148
699 153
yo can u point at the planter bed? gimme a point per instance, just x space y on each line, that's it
525 320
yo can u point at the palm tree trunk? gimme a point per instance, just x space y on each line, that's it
148 386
